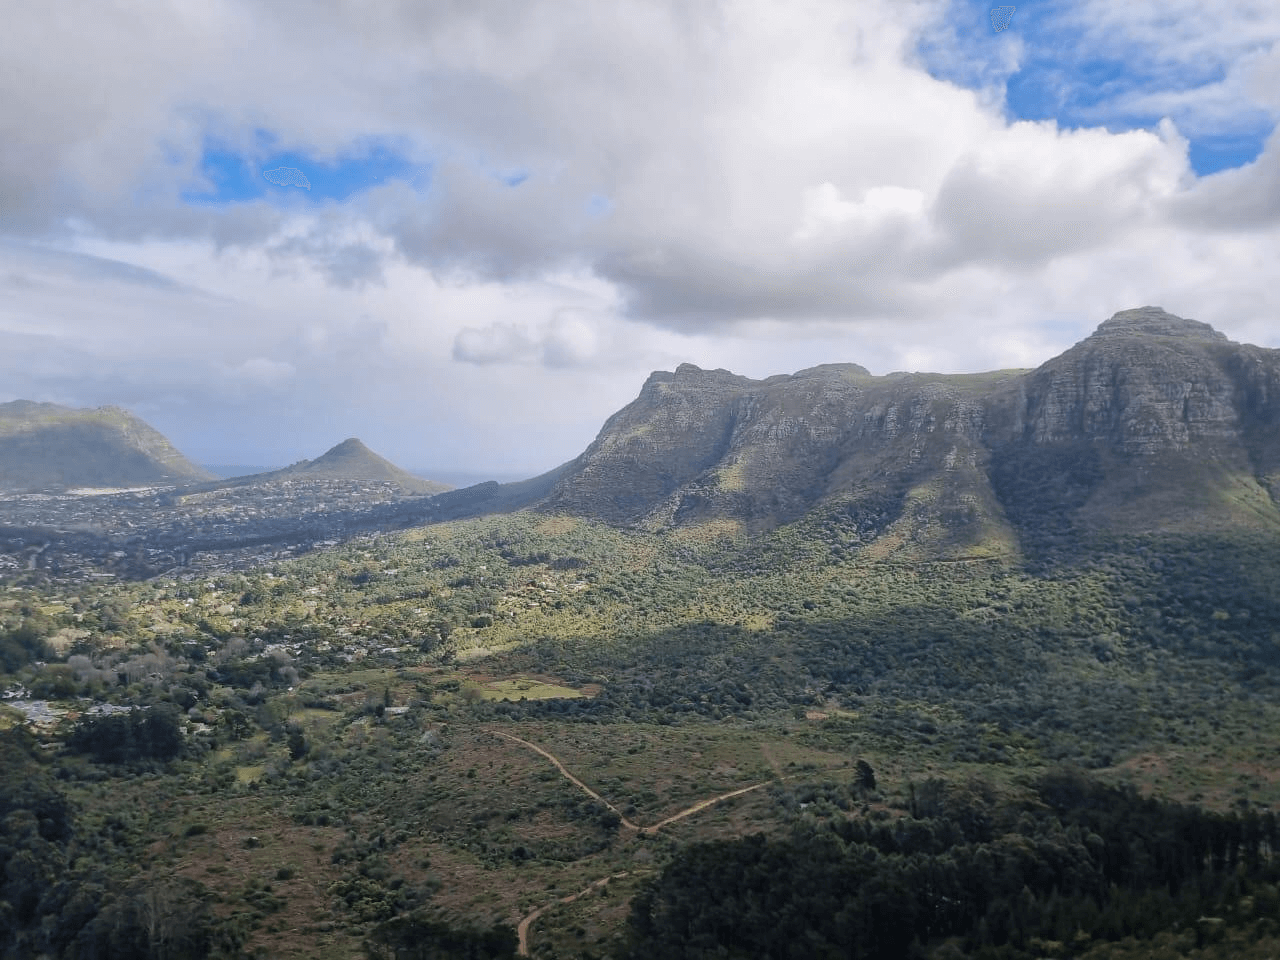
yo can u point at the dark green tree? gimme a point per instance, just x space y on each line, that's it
866 776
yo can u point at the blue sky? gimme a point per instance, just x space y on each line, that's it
517 212
236 176
1052 69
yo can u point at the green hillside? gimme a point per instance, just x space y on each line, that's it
368 757
44 445
824 665
352 460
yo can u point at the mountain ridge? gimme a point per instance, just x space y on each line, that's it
1153 422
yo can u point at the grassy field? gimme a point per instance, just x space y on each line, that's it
523 688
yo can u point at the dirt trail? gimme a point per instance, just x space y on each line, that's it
522 931
703 805
571 778
628 824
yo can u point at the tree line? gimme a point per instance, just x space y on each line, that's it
968 873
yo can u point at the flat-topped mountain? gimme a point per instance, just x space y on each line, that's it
48 446
1153 422
352 460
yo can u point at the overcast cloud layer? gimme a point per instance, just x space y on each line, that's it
514 211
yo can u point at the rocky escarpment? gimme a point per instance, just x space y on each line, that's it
668 437
1256 373
1153 421
1144 382
47 446
701 445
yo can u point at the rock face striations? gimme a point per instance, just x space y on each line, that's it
1153 422
1144 382
47 446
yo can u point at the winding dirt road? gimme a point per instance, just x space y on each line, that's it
522 931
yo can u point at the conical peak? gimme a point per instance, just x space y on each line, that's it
350 445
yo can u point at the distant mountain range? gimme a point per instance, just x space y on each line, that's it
44 445
1153 423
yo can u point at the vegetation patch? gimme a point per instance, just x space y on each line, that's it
323 775
524 688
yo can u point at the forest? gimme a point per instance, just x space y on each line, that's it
1073 865
765 745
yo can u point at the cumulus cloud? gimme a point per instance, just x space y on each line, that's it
1244 199
719 136
568 339
614 185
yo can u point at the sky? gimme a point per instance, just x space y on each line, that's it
466 231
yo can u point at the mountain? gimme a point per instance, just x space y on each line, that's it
352 460
47 446
1153 423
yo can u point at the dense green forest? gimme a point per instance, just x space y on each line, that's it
304 759
1074 864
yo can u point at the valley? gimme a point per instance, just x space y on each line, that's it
350 766
913 666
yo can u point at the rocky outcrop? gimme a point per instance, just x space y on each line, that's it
1153 420
701 445
1145 382
666 439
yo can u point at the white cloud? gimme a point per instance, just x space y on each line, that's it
756 184
825 211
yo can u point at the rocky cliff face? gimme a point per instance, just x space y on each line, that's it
700 445
1144 382
669 437
1153 420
